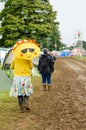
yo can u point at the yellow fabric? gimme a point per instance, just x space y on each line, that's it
32 50
21 67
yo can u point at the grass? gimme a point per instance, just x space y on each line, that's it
10 118
81 58
7 105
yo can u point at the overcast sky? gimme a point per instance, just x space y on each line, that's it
71 14
72 17
1 5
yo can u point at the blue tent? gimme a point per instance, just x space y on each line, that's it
65 53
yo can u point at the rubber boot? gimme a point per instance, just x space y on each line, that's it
49 87
44 87
26 106
20 101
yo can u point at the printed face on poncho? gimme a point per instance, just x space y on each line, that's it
26 49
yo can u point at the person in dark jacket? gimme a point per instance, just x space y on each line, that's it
46 67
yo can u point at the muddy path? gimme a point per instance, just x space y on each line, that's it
64 107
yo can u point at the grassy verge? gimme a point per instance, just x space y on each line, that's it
81 58
7 107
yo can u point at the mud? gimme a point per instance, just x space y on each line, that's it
64 107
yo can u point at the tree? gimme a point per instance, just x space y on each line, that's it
55 38
84 45
63 46
26 18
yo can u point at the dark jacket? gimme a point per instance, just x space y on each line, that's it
49 65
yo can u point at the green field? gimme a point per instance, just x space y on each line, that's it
81 58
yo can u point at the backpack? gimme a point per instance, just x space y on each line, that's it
44 66
44 62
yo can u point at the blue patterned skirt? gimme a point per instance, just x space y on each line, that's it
21 86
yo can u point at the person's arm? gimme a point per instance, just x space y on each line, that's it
39 65
51 63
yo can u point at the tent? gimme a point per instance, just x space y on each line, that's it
3 52
65 53
5 81
7 60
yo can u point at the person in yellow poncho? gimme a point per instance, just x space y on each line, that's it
24 51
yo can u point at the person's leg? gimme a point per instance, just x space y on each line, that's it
17 82
26 99
49 81
20 101
44 81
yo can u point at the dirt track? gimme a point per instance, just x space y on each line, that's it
63 108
